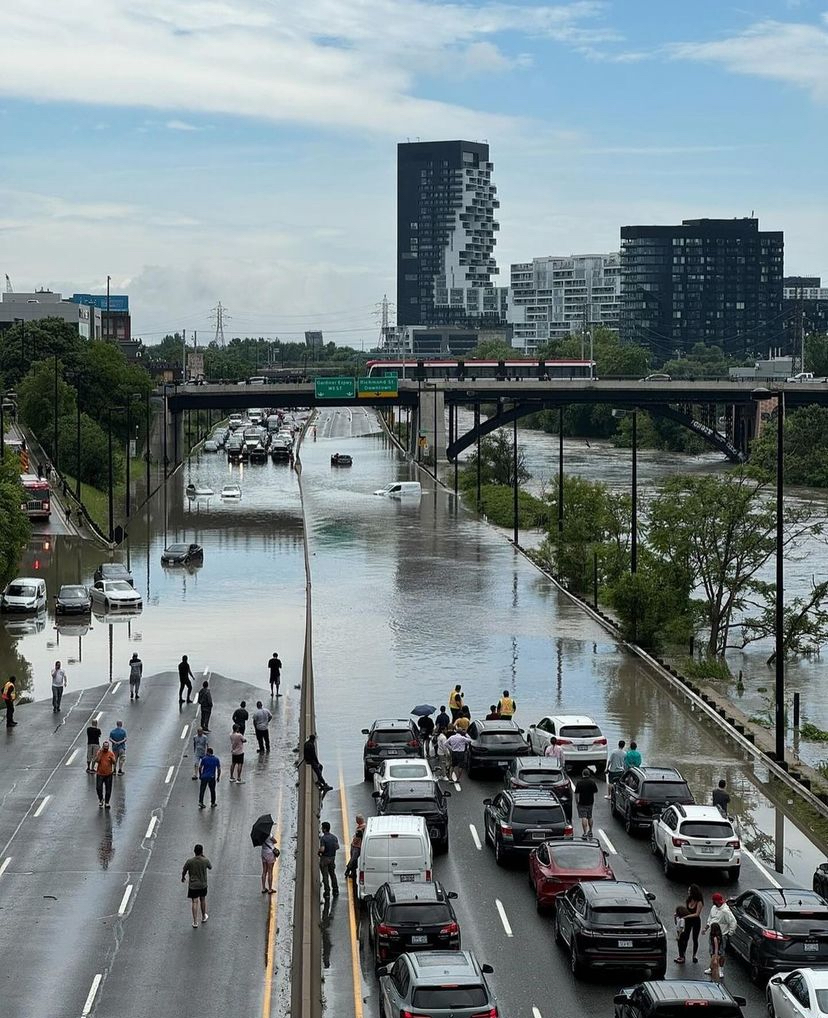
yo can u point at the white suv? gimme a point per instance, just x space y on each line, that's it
696 836
582 741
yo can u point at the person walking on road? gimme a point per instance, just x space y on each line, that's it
118 738
443 755
585 792
425 726
506 706
356 847
240 716
58 685
328 847
554 752
185 680
199 751
694 903
9 698
196 869
721 800
105 767
237 741
261 726
209 772
93 744
274 666
311 758
616 765
205 702
456 702
632 758
457 745
722 919
270 853
136 670
442 721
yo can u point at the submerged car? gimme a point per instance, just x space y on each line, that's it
73 599
341 459
181 554
231 491
114 595
25 594
113 571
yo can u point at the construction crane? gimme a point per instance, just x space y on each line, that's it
9 287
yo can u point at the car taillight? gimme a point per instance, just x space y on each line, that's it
734 844
413 742
599 742
568 831
370 744
384 930
774 935
678 842
362 877
451 929
641 802
505 830
491 1013
428 876
564 742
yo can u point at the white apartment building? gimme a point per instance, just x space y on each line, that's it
554 297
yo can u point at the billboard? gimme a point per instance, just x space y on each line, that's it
313 339
117 301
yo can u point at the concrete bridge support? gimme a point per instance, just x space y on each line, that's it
431 424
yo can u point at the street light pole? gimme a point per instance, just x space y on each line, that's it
55 440
515 478
560 471
128 433
111 493
634 521
780 580
77 447
148 443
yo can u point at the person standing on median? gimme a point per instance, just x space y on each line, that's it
240 716
58 685
261 722
118 738
199 751
93 744
136 670
196 869
274 666
185 680
209 771
328 847
205 702
105 767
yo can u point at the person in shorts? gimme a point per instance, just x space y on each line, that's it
585 792
118 739
93 744
195 868
237 741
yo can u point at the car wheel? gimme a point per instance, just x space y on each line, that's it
660 971
500 854
667 866
733 874
486 836
613 807
444 846
559 940
771 1008
576 966
366 774
653 842
629 826
758 975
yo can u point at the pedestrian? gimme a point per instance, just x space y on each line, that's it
136 670
356 847
270 853
462 723
209 772
426 728
240 716
721 800
328 847
118 738
105 761
724 922
693 905
237 741
196 869
205 702
679 917
275 668
585 792
494 713
93 744
506 706
58 686
455 702
261 720
442 721
185 680
443 753
311 758
615 765
457 745
553 751
9 697
632 758
199 751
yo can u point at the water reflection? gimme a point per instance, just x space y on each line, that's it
106 846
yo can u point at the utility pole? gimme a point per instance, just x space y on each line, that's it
183 356
106 330
801 326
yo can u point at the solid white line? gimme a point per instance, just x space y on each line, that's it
5 865
42 805
608 845
72 756
90 1000
536 1013
475 837
457 786
151 828
502 912
125 900
114 689
184 731
169 775
766 873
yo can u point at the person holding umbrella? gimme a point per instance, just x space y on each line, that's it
261 834
425 724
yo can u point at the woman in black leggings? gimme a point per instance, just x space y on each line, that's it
692 923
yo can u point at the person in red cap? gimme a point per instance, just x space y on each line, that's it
720 924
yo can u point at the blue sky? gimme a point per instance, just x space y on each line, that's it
244 150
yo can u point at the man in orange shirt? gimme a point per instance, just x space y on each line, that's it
105 760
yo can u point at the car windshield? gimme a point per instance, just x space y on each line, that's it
393 736
706 829
420 914
408 771
449 997
119 585
500 738
401 807
802 921
624 915
176 549
580 732
665 790
540 777
577 857
21 590
73 593
537 816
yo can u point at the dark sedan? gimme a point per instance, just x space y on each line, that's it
73 599
182 554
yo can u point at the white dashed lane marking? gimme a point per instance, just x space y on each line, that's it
125 900
503 917
151 828
72 756
114 689
169 775
608 845
90 1000
42 805
475 837
184 731
5 865
766 873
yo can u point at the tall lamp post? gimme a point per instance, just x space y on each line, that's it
109 475
130 397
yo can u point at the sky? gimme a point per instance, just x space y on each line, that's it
244 151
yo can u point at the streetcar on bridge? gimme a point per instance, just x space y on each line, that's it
478 370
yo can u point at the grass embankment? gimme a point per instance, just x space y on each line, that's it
96 502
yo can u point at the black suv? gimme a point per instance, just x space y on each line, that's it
411 917
820 880
418 799
779 929
518 820
540 772
672 996
641 793
388 738
610 925
493 744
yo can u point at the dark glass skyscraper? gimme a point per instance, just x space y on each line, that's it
714 281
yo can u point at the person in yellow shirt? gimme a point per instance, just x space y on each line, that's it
506 706
463 722
455 702
9 696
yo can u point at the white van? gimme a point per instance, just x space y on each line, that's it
395 850
25 594
401 489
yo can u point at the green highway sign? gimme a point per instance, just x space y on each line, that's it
382 385
334 388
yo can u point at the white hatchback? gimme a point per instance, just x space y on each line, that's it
408 769
696 836
581 739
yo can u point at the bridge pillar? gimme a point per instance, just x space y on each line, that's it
431 421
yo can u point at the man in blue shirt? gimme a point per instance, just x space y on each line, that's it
209 771
118 740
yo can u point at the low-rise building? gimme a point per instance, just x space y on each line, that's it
34 307
114 310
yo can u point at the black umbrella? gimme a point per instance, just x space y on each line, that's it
423 710
260 831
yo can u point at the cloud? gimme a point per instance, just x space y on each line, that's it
180 125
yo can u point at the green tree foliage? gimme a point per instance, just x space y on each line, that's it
656 432
243 357
702 361
36 401
494 350
103 379
94 464
496 463
612 357
816 354
497 503
14 528
23 345
653 605
806 448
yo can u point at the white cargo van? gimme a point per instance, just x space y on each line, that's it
401 489
395 850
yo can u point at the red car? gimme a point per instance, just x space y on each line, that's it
555 866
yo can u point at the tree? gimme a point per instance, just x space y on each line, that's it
496 463
22 345
805 624
94 463
806 448
701 361
15 530
656 432
36 401
612 357
816 354
493 350
653 604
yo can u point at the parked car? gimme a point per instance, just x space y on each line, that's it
657 376
493 744
388 738
395 850
696 836
641 793
802 993
436 983
672 997
424 799
555 866
25 594
610 925
210 445
115 595
581 739
517 821
113 571
539 772
779 929
73 599
412 769
182 554
412 917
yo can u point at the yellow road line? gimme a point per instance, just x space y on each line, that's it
272 918
352 928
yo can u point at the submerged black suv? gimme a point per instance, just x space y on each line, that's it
419 798
641 793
